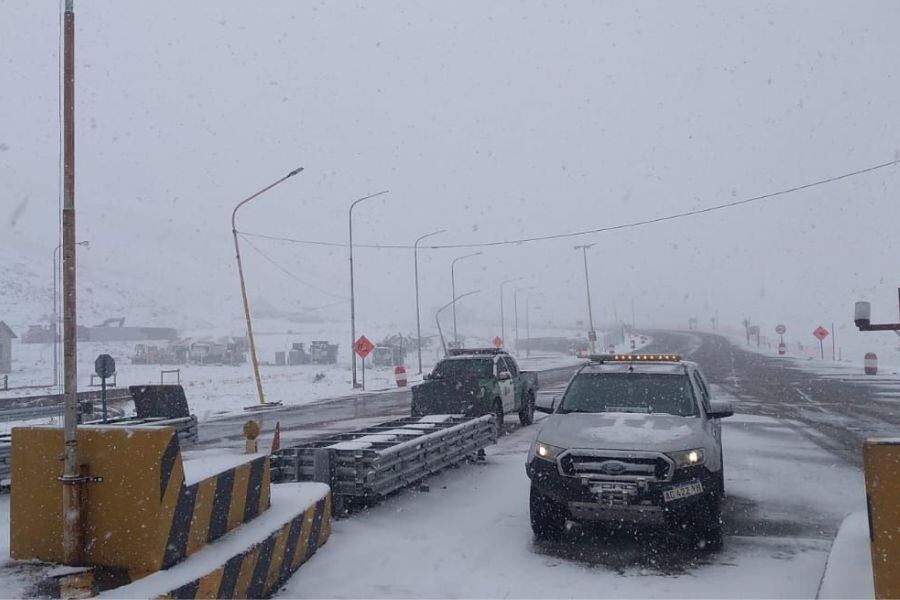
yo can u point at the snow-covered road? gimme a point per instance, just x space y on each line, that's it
470 536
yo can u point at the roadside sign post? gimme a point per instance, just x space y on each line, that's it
105 367
833 338
362 347
781 330
821 333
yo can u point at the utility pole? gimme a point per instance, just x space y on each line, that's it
453 288
72 480
55 260
592 333
418 319
237 254
502 317
356 384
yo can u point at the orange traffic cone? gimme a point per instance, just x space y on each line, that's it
276 439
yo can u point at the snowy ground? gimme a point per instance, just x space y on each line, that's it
470 537
215 390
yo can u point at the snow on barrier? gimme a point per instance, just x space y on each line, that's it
185 427
376 461
156 525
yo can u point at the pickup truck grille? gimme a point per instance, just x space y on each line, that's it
612 465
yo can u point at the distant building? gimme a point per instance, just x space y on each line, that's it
6 337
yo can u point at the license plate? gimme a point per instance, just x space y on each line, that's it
683 491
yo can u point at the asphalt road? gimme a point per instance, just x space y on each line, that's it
836 413
333 414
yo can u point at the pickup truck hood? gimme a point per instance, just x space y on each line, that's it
623 431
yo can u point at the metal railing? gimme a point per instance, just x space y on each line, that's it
375 461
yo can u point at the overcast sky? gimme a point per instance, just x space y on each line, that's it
493 121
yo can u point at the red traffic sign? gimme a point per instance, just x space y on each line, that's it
780 329
497 341
821 333
363 346
782 348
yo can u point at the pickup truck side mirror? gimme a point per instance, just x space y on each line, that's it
504 376
720 410
547 409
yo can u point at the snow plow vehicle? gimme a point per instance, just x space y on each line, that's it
635 439
476 382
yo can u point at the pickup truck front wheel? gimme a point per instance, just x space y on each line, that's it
526 415
548 517
498 415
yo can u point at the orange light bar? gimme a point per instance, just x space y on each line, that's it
635 358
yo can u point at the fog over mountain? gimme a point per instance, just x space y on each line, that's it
493 121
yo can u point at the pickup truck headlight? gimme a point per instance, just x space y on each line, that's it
546 451
688 458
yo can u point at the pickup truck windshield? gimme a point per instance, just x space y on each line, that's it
630 392
482 368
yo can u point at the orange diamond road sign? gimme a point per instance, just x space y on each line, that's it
363 346
821 333
497 341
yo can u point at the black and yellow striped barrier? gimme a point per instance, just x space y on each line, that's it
256 572
140 516
263 568
882 465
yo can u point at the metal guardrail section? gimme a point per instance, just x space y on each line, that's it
21 408
378 460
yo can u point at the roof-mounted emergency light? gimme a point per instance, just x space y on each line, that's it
632 358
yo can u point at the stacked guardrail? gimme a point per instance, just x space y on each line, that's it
376 461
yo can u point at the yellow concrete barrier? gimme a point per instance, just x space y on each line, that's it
882 465
141 516
263 568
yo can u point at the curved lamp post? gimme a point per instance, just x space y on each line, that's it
352 296
418 320
453 288
516 310
592 334
237 253
502 317
438 314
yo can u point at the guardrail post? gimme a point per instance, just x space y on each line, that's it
323 466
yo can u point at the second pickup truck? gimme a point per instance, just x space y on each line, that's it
476 382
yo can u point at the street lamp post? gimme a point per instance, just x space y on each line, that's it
592 334
528 323
418 320
502 317
352 295
237 254
453 288
55 333
437 315
516 311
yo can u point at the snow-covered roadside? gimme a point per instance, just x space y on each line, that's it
849 570
470 536
215 390
809 359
